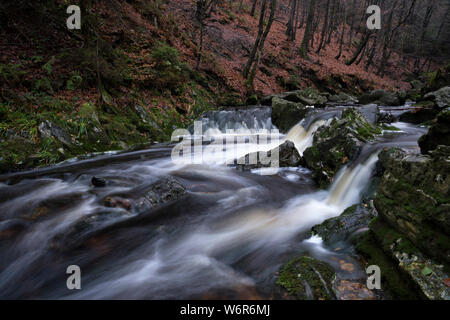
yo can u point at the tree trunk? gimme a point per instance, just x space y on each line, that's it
252 56
304 47
325 27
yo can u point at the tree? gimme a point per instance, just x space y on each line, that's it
304 47
201 15
255 55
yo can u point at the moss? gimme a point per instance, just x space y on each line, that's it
392 280
301 272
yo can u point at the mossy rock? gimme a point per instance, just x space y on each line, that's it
305 278
398 286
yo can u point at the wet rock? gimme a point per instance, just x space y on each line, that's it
382 97
288 156
116 202
286 114
337 144
371 112
352 221
385 117
144 204
440 97
439 133
305 278
98 182
48 129
405 270
423 112
414 199
166 190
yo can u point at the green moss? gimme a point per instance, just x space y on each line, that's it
303 271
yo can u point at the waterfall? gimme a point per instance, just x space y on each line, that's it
302 138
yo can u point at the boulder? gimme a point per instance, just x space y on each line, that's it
337 144
423 112
287 154
48 129
286 114
371 112
382 97
439 133
305 278
440 97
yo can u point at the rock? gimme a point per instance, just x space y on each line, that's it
166 190
116 202
342 228
440 97
414 199
98 182
385 117
48 129
287 154
439 133
305 278
405 272
382 97
371 112
145 204
308 96
286 114
424 112
337 144
343 98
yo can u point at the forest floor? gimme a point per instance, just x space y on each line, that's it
128 77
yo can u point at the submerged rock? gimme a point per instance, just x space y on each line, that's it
166 190
144 204
288 156
98 182
305 278
439 133
337 144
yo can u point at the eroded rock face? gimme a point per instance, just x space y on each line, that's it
305 278
337 144
288 156
414 198
439 133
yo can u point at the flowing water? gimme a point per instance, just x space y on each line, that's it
225 239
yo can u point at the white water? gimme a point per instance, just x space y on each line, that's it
244 223
170 264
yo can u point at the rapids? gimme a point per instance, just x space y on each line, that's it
226 239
